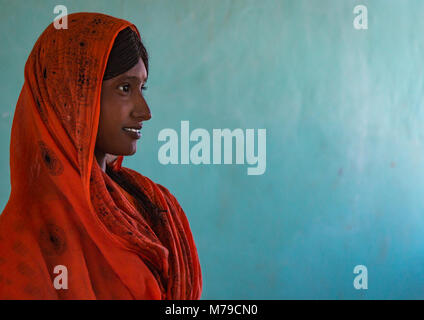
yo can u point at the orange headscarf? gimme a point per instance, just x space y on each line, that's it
63 209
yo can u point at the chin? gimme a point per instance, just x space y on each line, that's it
130 151
124 149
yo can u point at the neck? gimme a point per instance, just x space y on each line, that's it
101 159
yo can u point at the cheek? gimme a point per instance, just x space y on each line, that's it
113 114
112 111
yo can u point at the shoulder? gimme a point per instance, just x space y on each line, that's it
151 186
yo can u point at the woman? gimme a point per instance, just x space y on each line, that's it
78 225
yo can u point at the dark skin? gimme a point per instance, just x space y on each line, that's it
122 105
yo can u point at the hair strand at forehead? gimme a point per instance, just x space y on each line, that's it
125 53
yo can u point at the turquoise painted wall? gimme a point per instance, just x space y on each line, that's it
343 110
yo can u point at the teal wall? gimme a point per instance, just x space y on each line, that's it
343 110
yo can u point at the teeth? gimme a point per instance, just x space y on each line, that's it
132 130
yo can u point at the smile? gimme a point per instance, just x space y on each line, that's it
134 133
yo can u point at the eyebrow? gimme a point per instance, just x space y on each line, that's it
133 78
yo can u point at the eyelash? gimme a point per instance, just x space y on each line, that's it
142 88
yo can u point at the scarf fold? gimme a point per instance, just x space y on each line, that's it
63 210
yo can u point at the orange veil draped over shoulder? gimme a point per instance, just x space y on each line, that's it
67 222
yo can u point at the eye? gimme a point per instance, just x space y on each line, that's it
125 87
143 88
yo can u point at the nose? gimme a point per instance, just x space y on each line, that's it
141 110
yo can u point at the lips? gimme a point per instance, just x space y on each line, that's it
133 131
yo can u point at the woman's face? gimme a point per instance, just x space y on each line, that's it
122 107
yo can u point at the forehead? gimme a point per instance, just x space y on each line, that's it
137 73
